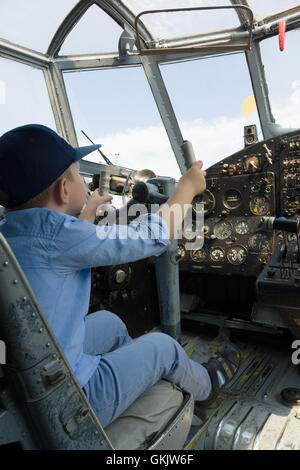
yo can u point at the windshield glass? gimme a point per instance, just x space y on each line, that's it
96 39
32 23
23 96
261 9
213 101
115 108
282 70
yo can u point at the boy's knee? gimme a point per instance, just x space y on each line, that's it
108 319
161 341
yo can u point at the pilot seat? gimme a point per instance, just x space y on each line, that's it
41 403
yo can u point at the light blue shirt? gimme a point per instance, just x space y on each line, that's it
57 251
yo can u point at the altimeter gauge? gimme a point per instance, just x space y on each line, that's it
222 230
259 242
242 227
198 255
217 254
232 199
237 255
204 202
259 205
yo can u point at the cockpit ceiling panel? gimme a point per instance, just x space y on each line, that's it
32 23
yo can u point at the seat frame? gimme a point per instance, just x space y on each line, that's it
41 401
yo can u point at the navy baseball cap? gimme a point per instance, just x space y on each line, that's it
32 157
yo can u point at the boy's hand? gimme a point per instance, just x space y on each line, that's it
89 212
190 184
96 200
194 179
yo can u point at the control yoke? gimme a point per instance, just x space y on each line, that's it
286 225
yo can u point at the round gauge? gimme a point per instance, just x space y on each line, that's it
242 227
206 201
217 254
292 237
232 199
198 255
259 242
259 205
237 255
181 251
189 231
222 230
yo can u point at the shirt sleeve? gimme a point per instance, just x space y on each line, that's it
80 244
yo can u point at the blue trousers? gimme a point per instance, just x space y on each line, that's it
128 367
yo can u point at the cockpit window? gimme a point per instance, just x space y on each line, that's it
23 96
115 108
264 9
282 72
213 100
104 34
167 25
32 23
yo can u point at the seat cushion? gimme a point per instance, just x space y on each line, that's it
148 415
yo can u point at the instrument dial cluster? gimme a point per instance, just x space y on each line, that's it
233 244
232 209
260 180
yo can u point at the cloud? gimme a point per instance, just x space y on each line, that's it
213 140
288 115
149 147
140 147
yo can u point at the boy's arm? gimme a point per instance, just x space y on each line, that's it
173 211
190 184
83 245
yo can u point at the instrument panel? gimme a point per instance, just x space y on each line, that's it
261 180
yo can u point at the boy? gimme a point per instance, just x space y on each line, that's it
42 191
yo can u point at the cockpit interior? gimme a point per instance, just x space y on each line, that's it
161 84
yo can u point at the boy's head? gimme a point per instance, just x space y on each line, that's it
38 168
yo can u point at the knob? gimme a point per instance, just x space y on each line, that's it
120 276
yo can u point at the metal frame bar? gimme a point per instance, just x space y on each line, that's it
211 48
67 25
119 12
94 61
12 51
165 108
53 66
124 16
260 88
241 14
60 104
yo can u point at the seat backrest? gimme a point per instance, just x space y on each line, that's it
39 376
43 399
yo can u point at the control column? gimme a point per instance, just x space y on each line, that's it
167 276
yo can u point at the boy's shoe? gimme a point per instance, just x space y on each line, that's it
222 367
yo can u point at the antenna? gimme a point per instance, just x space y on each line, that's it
107 161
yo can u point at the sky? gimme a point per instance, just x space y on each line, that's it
116 107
